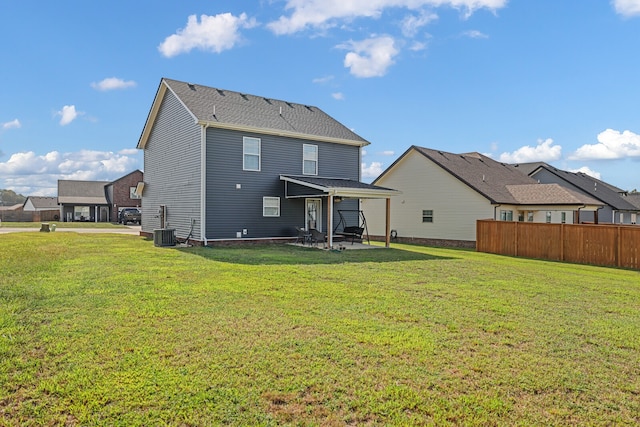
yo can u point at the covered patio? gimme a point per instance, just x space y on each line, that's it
337 189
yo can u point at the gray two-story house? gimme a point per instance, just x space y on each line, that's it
221 165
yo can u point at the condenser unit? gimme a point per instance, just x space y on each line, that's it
164 237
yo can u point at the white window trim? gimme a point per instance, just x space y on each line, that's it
270 202
314 159
424 216
245 154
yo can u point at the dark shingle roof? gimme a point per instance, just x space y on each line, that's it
600 190
634 199
342 186
483 174
224 107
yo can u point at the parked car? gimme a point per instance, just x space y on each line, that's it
128 215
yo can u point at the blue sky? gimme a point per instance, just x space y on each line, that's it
521 81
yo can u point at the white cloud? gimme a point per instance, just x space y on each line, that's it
31 174
371 171
611 145
323 13
388 153
418 46
112 83
13 124
68 114
587 171
475 34
213 33
627 8
338 95
411 24
545 151
371 57
322 80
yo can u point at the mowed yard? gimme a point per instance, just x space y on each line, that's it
110 330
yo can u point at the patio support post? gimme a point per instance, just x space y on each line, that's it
387 226
330 221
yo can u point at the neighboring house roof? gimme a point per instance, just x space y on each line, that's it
600 190
82 192
340 187
15 207
481 173
234 110
39 203
549 194
633 198
125 176
500 183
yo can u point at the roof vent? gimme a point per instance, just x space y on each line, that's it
268 101
220 92
244 96
191 86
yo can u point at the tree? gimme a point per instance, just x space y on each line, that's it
10 198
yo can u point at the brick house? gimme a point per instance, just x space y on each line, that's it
121 193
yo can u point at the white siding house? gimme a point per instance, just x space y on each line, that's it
444 194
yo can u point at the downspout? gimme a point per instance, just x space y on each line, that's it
495 212
203 184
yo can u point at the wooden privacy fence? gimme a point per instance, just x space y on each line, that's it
606 245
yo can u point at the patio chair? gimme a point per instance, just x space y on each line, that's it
317 237
303 236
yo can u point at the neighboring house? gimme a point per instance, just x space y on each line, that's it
221 165
42 208
121 193
83 201
633 197
443 194
616 207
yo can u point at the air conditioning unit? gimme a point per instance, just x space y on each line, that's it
164 237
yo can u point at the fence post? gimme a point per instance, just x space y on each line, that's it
617 253
562 242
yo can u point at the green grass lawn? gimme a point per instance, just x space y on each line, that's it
110 330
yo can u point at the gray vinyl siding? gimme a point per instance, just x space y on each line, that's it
172 170
230 209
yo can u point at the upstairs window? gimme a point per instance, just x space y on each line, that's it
133 194
427 215
250 154
309 159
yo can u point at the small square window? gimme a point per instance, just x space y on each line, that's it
309 159
271 206
251 154
427 215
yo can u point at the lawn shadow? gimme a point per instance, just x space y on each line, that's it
292 255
